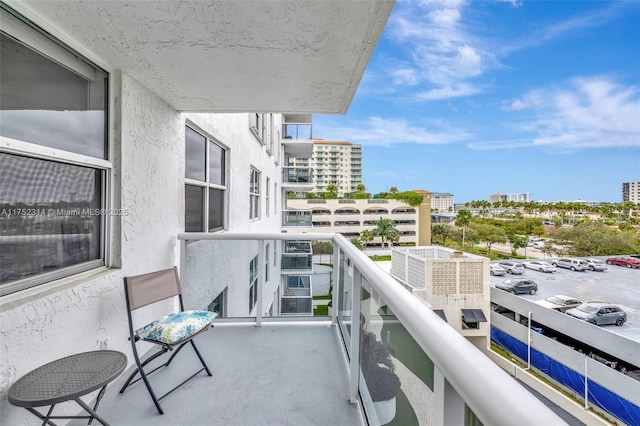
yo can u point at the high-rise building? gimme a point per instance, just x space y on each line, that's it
631 192
337 163
441 202
524 197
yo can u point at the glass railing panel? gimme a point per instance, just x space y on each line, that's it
296 218
290 261
344 281
297 131
297 174
397 374
223 276
297 246
296 306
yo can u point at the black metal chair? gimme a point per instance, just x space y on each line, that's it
171 332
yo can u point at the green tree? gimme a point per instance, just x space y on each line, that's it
386 230
594 238
310 196
361 188
439 230
412 198
463 219
393 190
357 242
322 247
366 236
490 234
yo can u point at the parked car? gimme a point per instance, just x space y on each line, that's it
512 267
539 265
629 262
572 264
495 269
518 286
560 302
596 264
599 313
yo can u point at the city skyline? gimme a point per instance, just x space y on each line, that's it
476 98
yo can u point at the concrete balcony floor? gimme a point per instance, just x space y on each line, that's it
277 374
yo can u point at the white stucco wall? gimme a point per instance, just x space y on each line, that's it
87 311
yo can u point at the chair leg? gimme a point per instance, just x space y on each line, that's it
173 355
143 375
204 364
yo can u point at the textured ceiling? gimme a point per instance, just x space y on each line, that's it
229 56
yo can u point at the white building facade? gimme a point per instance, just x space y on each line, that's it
631 192
337 163
442 202
102 167
350 217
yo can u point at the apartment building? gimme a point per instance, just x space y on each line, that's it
442 202
147 135
337 163
524 197
351 217
631 192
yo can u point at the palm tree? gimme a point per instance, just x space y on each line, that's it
463 219
393 190
366 236
385 228
360 187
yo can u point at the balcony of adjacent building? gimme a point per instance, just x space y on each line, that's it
297 135
297 178
296 219
297 257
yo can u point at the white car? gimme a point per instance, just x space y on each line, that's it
539 265
512 267
560 302
596 264
495 269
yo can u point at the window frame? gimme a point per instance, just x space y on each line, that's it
51 48
255 182
253 282
206 184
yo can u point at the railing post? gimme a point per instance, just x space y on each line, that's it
448 406
354 361
260 289
335 280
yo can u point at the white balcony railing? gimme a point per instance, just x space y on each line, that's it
441 377
296 218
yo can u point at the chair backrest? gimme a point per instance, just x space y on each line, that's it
145 289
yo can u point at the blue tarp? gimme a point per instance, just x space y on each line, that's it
598 395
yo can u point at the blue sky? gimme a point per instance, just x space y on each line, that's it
480 97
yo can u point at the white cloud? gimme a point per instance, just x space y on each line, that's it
386 132
586 112
448 92
444 54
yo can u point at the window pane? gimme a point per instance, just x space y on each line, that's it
216 208
193 208
216 164
45 103
195 157
50 216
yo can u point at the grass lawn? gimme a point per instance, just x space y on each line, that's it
321 310
325 297
377 258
